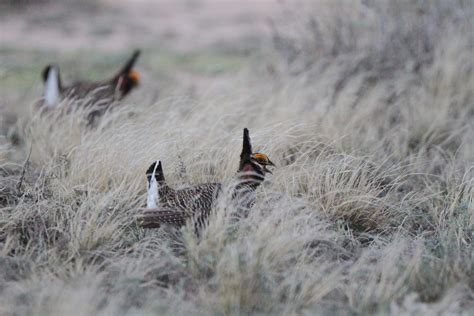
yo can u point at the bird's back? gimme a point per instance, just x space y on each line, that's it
96 91
198 198
176 207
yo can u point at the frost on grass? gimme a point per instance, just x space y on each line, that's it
370 208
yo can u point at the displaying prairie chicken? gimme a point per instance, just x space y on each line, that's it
100 94
175 207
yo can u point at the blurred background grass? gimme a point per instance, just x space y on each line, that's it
366 107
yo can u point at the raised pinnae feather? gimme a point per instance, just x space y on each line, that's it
246 146
195 203
128 65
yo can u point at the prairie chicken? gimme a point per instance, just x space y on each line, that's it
175 207
101 93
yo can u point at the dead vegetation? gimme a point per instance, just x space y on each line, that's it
367 111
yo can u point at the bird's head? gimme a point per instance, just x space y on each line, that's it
251 162
262 161
128 78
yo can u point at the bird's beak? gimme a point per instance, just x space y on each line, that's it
270 163
267 170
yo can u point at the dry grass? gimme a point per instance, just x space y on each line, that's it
369 211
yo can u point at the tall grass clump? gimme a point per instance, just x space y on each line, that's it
366 108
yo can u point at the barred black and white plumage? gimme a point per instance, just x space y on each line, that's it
176 207
151 217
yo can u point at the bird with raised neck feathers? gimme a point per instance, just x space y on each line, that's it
167 206
100 94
